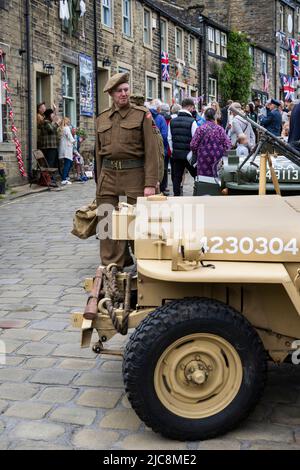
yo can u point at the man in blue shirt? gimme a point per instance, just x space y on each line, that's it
161 124
273 120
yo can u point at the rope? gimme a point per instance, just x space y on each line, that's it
115 298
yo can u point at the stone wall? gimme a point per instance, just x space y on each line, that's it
52 44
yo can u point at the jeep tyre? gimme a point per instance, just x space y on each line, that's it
194 368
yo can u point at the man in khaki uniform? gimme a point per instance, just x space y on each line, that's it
126 160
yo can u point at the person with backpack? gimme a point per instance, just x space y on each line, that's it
181 130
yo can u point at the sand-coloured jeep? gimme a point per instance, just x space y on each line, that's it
216 295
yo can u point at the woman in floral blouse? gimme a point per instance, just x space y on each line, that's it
209 143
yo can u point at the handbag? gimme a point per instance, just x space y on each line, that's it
85 221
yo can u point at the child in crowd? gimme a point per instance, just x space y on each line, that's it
285 132
78 159
242 149
66 149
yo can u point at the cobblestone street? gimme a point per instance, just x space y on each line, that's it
54 395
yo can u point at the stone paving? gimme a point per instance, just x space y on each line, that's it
54 395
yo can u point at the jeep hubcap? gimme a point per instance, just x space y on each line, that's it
198 375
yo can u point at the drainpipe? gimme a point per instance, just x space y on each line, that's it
205 97
275 61
29 89
160 51
96 57
200 78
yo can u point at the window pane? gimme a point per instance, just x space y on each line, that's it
211 40
147 27
163 35
106 13
127 17
69 93
178 40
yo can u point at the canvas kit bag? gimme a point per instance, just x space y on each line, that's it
85 221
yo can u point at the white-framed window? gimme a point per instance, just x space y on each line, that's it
224 45
264 62
192 50
251 53
167 93
69 92
218 42
179 47
164 35
281 18
147 27
107 13
211 40
212 89
151 86
127 30
283 61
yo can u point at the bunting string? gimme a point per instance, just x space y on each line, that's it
13 127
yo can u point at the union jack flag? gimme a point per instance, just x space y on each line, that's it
288 86
165 67
294 48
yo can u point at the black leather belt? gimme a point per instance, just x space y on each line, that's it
123 164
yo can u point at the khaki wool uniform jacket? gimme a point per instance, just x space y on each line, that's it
127 133
123 134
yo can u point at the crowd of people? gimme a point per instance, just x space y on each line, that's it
196 141
60 144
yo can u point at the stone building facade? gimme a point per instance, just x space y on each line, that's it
71 60
268 25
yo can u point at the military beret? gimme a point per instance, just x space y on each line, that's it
276 102
115 81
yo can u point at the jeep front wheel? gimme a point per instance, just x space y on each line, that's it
193 369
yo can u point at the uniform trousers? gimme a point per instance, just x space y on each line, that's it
111 185
178 166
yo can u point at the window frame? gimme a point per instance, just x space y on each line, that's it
224 42
214 81
211 40
72 98
192 40
281 18
177 45
298 19
151 76
147 44
218 44
167 86
264 63
252 54
166 37
109 8
283 59
128 18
